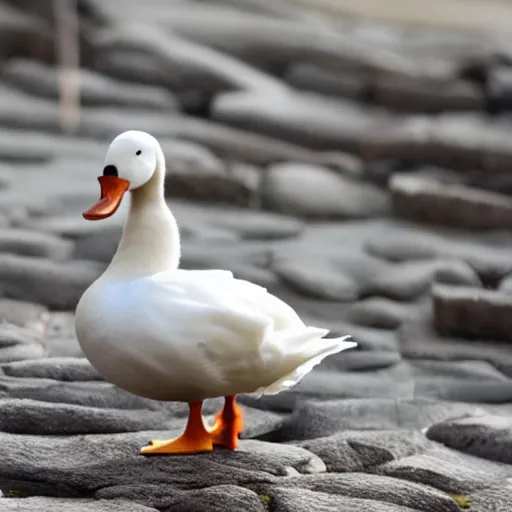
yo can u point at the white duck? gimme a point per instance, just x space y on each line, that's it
183 335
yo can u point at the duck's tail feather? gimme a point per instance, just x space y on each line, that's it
301 352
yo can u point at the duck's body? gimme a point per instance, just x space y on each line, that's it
190 335
180 335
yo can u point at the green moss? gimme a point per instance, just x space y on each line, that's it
462 501
12 493
266 499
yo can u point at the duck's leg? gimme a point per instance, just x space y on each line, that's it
228 424
196 438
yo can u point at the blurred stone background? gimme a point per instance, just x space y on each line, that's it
354 157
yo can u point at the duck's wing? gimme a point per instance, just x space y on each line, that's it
191 307
221 289
224 329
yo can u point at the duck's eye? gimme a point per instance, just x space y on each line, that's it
138 152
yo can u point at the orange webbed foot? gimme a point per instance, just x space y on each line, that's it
179 445
195 439
228 425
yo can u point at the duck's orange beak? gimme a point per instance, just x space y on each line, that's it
112 191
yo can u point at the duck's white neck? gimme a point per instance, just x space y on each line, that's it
150 241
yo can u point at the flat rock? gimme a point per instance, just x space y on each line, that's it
58 368
194 173
71 225
51 190
403 242
43 405
23 111
27 242
459 473
419 339
218 498
350 274
419 94
37 147
79 465
453 205
228 254
387 381
313 273
460 141
119 64
312 420
472 313
381 313
464 138
310 77
414 278
186 63
54 285
319 192
270 41
358 451
22 351
456 46
300 500
100 246
71 505
26 416
300 118
13 154
95 89
486 436
234 223
94 394
462 369
363 486
407 139
188 157
471 381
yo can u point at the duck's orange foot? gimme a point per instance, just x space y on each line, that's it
182 444
195 439
228 425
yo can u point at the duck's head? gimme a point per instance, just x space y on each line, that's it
130 163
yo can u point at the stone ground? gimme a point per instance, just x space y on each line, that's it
359 171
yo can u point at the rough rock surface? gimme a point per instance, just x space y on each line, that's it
472 312
450 205
359 171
